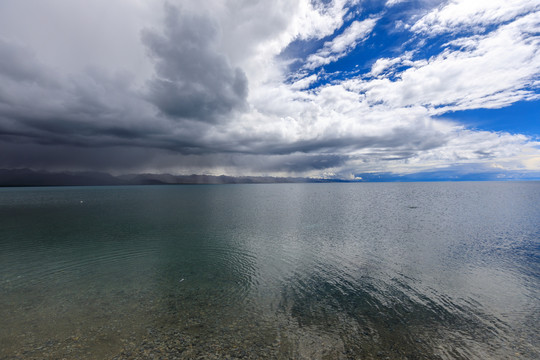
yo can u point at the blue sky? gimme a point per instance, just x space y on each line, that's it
350 89
522 117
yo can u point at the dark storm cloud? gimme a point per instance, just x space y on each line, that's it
300 162
92 108
18 63
40 104
397 143
86 109
192 79
138 159
114 158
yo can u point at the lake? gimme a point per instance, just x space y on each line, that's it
278 271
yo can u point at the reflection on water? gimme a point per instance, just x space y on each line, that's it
338 271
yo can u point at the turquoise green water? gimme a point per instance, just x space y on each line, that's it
307 271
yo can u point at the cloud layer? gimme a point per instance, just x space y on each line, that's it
265 87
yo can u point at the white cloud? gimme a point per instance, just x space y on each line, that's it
342 44
459 15
384 64
390 3
305 82
490 71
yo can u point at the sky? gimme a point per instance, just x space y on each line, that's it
348 89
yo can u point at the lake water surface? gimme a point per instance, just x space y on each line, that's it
306 271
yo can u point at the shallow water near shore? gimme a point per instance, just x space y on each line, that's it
306 271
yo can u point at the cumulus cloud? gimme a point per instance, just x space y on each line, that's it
304 82
390 3
489 71
386 64
465 15
342 44
193 80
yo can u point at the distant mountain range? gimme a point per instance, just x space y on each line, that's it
27 177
